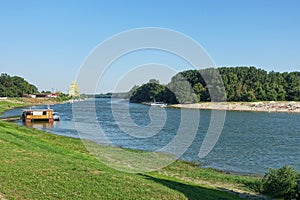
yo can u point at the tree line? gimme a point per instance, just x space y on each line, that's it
221 84
14 86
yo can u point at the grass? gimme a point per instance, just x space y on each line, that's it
193 173
38 165
10 104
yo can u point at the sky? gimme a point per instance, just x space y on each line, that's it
46 42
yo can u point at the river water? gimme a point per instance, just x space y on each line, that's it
250 142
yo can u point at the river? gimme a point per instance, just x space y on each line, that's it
250 142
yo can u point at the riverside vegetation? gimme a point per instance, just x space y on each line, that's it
246 84
15 86
239 84
40 165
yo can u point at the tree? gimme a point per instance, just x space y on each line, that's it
248 96
154 81
199 90
15 86
280 183
182 89
239 84
151 92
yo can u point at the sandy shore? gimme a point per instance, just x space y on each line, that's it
279 106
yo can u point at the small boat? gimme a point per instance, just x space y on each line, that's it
56 117
159 104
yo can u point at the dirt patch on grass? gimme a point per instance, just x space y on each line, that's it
37 101
2 196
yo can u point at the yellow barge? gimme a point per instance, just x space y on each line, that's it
39 115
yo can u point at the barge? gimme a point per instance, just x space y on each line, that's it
39 115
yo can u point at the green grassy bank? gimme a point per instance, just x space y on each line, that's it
38 165
10 104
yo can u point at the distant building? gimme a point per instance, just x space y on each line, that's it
73 90
40 95
52 95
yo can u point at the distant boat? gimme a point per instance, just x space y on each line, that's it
159 104
56 117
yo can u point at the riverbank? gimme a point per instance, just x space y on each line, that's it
7 104
11 103
39 165
279 106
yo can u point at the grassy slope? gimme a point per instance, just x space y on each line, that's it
39 165
9 104
17 102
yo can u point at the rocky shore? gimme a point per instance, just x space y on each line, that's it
272 106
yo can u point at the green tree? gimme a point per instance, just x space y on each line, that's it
280 183
15 86
151 92
182 89
239 84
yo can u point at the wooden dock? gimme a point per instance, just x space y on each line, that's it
12 118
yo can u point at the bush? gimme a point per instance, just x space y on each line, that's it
280 183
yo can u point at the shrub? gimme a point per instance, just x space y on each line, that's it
280 183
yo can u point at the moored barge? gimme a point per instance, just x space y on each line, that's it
39 115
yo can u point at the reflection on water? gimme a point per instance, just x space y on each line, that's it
41 125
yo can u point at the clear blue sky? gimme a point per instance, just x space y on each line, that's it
46 41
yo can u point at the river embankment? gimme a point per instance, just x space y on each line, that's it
270 106
40 165
12 103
